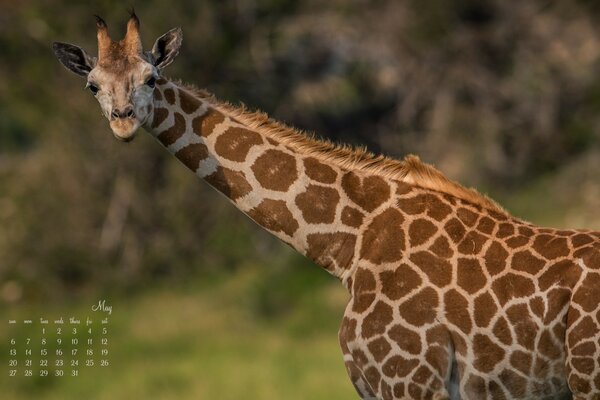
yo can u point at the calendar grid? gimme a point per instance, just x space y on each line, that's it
64 346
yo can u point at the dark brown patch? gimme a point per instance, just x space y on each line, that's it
399 366
331 250
438 270
495 258
379 348
169 95
187 102
551 247
457 310
275 170
275 216
421 308
505 230
369 192
441 247
373 377
235 143
352 217
476 387
192 154
586 295
437 357
455 229
502 331
403 188
547 346
524 326
522 361
515 383
517 241
420 231
486 225
435 207
537 306
422 375
171 135
485 309
527 262
487 353
232 184
563 273
466 216
469 275
512 286
472 243
581 239
204 125
157 95
318 171
318 204
383 241
406 339
399 283
160 114
363 290
377 320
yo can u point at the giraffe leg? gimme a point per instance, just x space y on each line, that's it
583 353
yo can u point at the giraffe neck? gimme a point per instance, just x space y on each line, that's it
296 197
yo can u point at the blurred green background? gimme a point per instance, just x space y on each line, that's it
504 96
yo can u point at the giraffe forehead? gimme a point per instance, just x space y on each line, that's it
118 71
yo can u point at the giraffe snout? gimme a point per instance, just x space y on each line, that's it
126 112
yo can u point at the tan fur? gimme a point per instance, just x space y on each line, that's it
410 170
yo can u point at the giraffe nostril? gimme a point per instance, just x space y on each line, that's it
115 113
130 113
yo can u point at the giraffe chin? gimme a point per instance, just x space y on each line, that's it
124 130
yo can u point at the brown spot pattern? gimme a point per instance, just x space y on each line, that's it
169 95
235 143
275 170
421 308
352 217
275 216
331 250
377 320
232 184
160 114
318 204
420 231
171 135
192 154
469 275
204 125
187 102
383 241
400 282
318 171
438 270
368 193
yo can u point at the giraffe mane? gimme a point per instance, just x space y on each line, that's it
410 170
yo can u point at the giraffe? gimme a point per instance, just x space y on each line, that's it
451 297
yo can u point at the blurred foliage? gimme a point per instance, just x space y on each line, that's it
501 95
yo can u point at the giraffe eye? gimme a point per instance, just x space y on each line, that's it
151 81
93 88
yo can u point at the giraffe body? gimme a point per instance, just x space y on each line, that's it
450 297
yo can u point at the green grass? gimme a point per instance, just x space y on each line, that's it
205 341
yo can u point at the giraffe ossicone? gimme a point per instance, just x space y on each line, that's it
450 296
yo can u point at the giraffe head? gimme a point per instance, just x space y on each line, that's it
122 76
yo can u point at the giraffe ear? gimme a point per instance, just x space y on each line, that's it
166 48
74 58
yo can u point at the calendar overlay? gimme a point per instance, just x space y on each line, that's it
61 346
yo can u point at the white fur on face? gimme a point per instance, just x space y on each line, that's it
122 89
